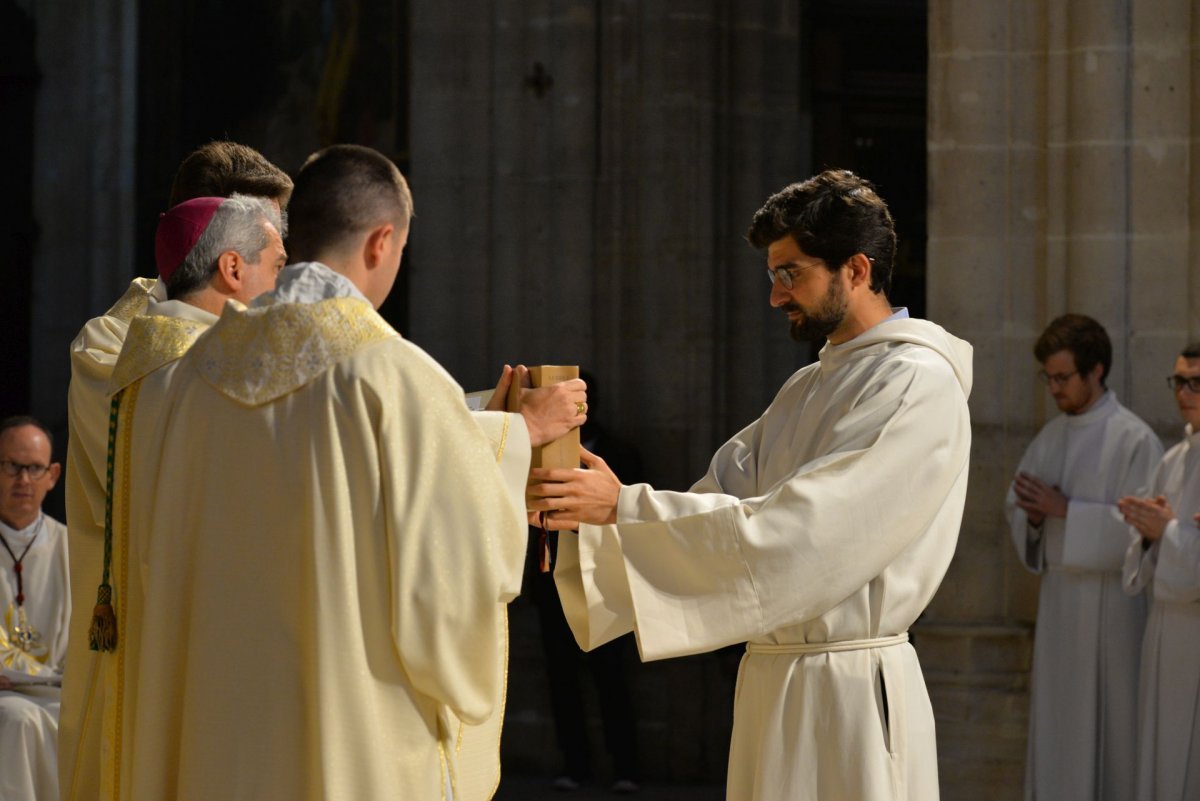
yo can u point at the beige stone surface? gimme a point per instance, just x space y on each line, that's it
1082 197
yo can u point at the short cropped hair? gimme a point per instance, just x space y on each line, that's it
341 192
831 216
19 420
220 169
1191 350
236 225
1085 338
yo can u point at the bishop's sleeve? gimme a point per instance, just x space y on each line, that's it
703 570
455 543
509 439
93 355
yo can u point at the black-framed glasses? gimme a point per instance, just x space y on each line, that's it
1178 382
14 469
1057 379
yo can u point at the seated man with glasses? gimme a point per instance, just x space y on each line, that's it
35 606
1164 557
1062 512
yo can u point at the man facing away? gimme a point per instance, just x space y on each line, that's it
1065 525
324 539
208 250
217 169
35 605
820 532
1164 555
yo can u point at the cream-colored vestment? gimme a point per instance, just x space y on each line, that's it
1168 743
820 533
1089 632
29 712
320 547
93 354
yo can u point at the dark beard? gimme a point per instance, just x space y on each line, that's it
822 321
815 329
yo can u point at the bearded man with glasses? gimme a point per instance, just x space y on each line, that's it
1164 559
35 607
1064 522
820 532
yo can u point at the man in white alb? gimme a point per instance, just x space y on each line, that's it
1066 527
820 533
1164 559
35 606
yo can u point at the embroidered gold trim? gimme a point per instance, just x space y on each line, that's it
503 438
134 301
152 341
115 715
262 353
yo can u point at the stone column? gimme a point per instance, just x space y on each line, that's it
83 181
583 173
1060 144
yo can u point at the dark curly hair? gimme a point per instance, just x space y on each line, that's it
832 216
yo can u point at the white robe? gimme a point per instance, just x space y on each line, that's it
320 548
1169 693
1089 632
29 712
827 522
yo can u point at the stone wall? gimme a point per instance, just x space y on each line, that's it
1060 177
583 173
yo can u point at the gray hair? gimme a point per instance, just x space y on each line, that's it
236 225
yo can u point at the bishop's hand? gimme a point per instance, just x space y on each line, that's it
549 412
567 497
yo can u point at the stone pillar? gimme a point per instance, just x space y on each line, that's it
583 173
583 176
83 181
83 178
1060 144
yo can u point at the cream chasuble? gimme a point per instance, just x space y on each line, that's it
1168 745
29 712
312 505
1082 719
153 339
93 354
819 534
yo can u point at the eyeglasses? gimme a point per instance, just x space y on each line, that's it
1178 382
1057 379
14 469
786 275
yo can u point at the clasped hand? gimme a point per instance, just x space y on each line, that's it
561 499
1039 499
1149 516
